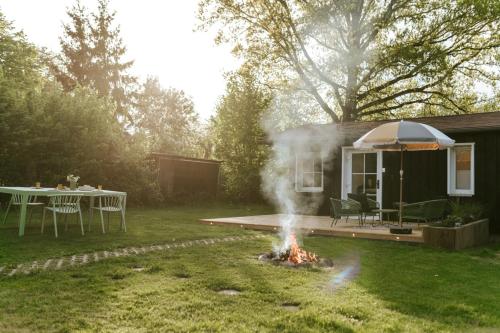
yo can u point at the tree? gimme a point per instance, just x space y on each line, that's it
92 52
76 50
20 79
238 136
167 118
366 58
109 73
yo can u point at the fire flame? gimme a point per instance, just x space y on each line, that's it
298 255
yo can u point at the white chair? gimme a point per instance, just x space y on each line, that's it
110 204
16 200
63 204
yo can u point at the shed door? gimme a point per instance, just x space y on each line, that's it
362 173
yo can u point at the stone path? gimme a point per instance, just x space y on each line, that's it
87 258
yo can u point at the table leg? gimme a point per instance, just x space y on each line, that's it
124 206
91 211
22 215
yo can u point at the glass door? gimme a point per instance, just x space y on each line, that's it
362 173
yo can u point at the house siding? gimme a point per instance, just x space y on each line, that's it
426 175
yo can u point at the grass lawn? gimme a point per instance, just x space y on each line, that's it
399 288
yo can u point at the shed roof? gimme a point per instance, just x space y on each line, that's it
168 156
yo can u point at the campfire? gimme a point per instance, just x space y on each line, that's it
294 256
297 255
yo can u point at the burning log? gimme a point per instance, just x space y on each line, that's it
295 256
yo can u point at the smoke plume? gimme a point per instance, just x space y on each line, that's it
279 174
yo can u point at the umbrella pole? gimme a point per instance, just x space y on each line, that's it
401 189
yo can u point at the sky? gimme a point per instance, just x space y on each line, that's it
159 36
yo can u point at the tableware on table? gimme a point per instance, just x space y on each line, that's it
86 188
60 187
37 185
99 187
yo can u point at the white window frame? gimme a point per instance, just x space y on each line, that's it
299 177
452 190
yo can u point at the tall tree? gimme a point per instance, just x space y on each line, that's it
238 135
20 78
92 53
365 58
109 72
167 118
76 49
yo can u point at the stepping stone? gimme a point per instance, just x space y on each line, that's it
292 307
86 258
138 269
229 292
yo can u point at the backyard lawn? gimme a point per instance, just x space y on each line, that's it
389 286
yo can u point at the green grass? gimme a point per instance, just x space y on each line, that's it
400 287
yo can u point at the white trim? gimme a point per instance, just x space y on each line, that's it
346 165
451 172
298 184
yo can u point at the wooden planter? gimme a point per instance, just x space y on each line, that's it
469 235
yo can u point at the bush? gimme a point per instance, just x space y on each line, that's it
468 211
463 213
452 221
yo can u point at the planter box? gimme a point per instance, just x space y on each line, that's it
469 235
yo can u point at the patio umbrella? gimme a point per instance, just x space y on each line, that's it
400 136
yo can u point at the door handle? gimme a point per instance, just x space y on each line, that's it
378 184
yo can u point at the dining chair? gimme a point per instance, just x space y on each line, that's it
16 201
64 204
110 204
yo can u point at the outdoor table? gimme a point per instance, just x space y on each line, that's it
26 192
387 211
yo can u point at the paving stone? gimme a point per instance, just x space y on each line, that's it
86 258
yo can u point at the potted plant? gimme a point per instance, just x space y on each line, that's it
464 227
73 181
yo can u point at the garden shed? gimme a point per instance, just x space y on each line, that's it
180 175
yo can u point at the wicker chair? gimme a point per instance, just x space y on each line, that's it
347 208
425 211
368 206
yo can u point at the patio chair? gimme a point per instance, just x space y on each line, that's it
63 204
425 211
368 206
110 204
347 208
16 200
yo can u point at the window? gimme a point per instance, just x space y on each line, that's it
364 174
461 169
309 173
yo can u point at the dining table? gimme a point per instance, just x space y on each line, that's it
26 192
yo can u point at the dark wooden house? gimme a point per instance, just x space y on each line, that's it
179 175
469 171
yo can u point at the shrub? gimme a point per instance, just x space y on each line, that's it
468 211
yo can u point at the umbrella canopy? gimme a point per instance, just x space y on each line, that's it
400 136
406 135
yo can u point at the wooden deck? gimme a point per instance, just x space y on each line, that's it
319 225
